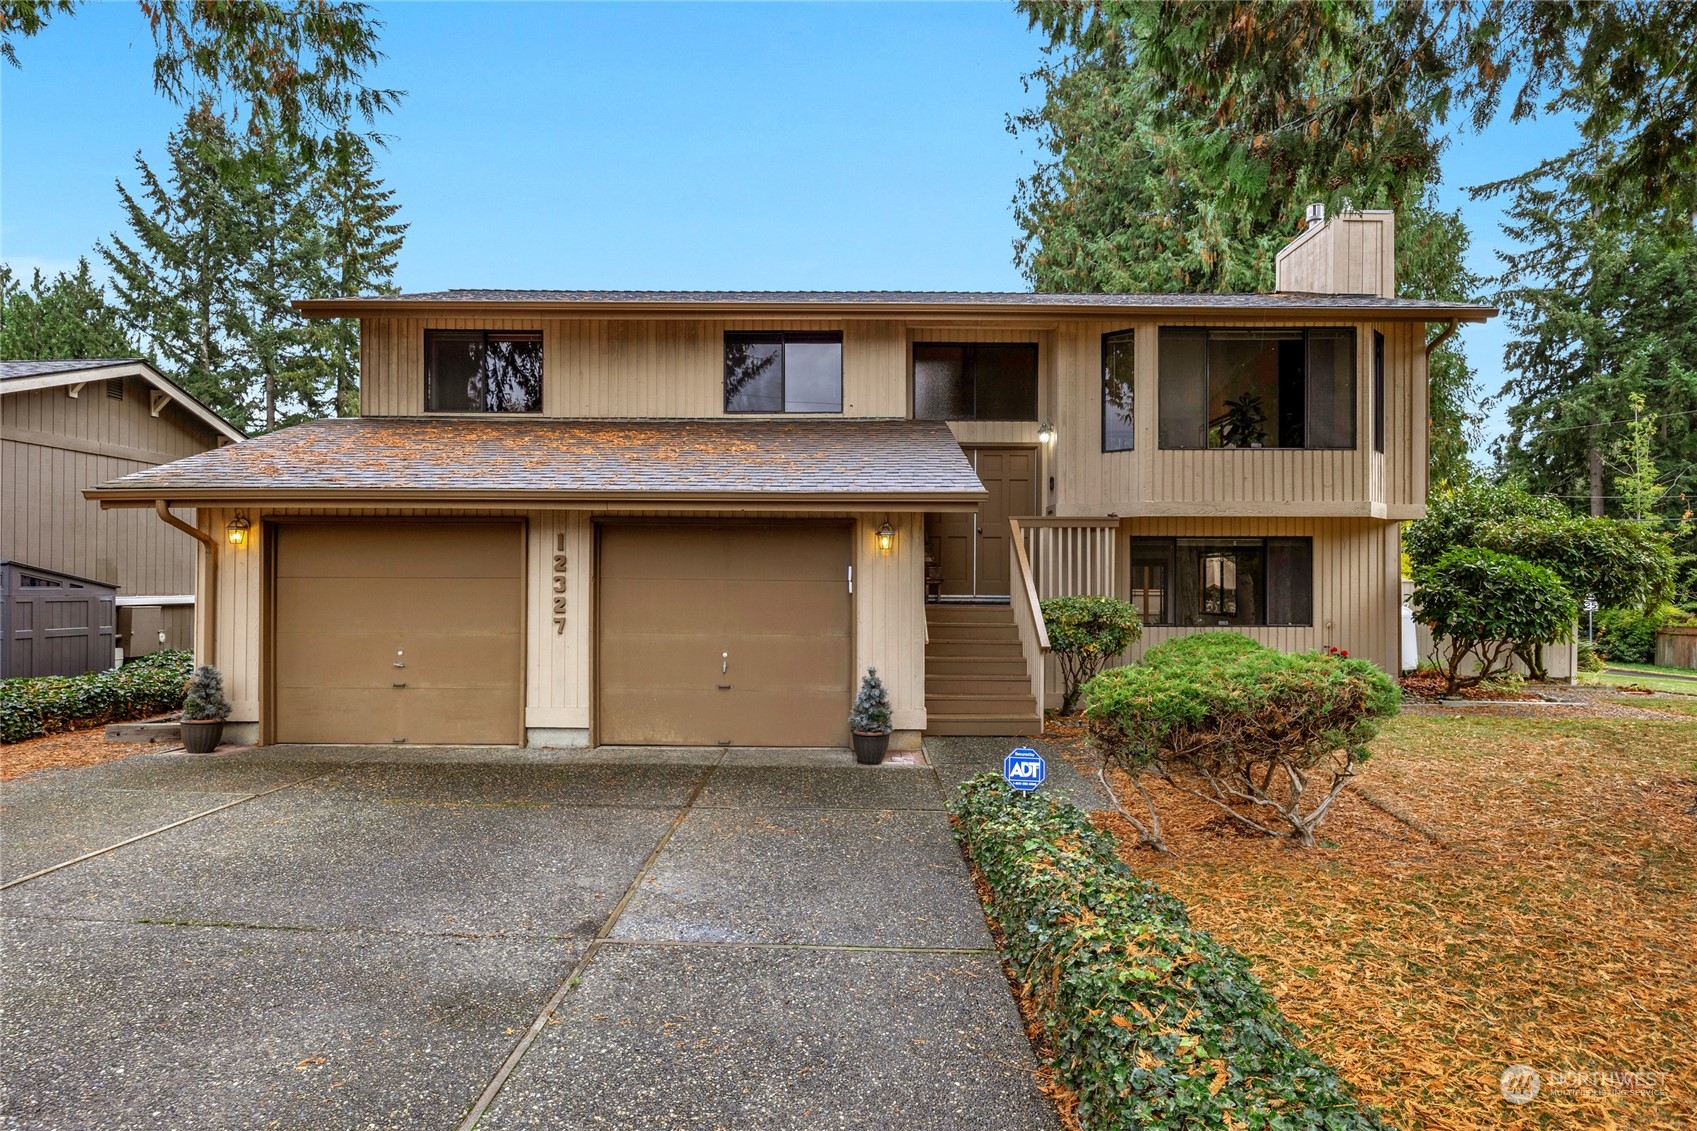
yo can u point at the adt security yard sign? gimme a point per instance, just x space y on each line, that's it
1024 769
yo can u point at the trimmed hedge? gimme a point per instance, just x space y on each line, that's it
30 708
1154 1024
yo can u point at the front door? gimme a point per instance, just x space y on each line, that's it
972 547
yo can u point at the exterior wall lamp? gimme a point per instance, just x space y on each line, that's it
886 537
1046 433
235 531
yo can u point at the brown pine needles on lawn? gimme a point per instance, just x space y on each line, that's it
1537 905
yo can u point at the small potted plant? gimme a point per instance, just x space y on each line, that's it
204 711
870 720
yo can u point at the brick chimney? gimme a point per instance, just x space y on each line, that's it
1353 253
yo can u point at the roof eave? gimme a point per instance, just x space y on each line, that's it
369 308
142 369
113 497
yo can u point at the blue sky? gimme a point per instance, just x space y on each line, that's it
642 145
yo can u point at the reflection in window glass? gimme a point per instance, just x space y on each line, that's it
783 371
975 381
1257 388
477 371
1118 390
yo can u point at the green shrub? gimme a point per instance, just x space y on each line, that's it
1154 1024
1589 659
1242 726
1084 634
204 698
1489 606
30 708
1628 636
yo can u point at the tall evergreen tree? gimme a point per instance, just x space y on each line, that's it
1144 187
67 316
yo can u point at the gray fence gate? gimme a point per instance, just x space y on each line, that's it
54 623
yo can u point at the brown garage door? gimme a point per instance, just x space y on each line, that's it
732 633
398 632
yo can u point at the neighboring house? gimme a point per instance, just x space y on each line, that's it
691 518
64 425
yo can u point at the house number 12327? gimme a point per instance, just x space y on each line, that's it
559 585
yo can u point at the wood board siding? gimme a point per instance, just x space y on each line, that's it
53 445
889 624
674 369
1357 590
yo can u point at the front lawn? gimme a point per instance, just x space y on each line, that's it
1680 681
1533 899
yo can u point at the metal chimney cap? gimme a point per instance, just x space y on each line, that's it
1316 213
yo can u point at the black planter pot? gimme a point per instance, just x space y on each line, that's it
200 736
869 749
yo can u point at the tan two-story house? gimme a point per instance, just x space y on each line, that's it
588 517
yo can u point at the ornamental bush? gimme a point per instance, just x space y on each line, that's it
204 697
1628 636
870 712
1271 738
1084 634
1489 606
1154 1024
152 685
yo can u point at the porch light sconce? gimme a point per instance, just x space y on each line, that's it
886 537
236 530
1046 433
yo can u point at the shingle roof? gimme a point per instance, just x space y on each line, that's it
586 301
37 368
646 460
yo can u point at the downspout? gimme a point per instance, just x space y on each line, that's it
1441 338
207 607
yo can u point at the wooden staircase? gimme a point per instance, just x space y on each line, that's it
976 680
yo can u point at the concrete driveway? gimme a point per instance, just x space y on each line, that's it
371 938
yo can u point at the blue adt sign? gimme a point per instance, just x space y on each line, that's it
1024 769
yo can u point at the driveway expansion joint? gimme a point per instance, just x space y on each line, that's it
546 1016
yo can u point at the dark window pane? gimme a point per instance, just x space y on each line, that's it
1005 379
1118 389
1221 582
1290 581
813 373
453 371
1331 388
754 373
1151 579
1183 395
940 389
1254 388
512 373
1378 391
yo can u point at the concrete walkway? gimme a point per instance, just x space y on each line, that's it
377 938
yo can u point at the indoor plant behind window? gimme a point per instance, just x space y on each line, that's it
204 711
869 719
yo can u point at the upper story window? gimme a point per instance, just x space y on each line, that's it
975 381
1378 392
783 371
1257 388
1119 432
482 371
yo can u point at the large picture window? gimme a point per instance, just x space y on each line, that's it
1223 582
975 380
1378 392
1119 431
482 371
1257 388
788 371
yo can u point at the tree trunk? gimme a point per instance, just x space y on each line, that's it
1594 459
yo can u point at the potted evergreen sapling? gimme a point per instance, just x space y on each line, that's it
870 720
204 711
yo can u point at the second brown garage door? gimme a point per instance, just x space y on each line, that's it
734 634
398 632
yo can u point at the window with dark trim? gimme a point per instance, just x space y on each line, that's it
783 371
1223 582
1257 388
1119 423
975 380
482 371
1378 392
